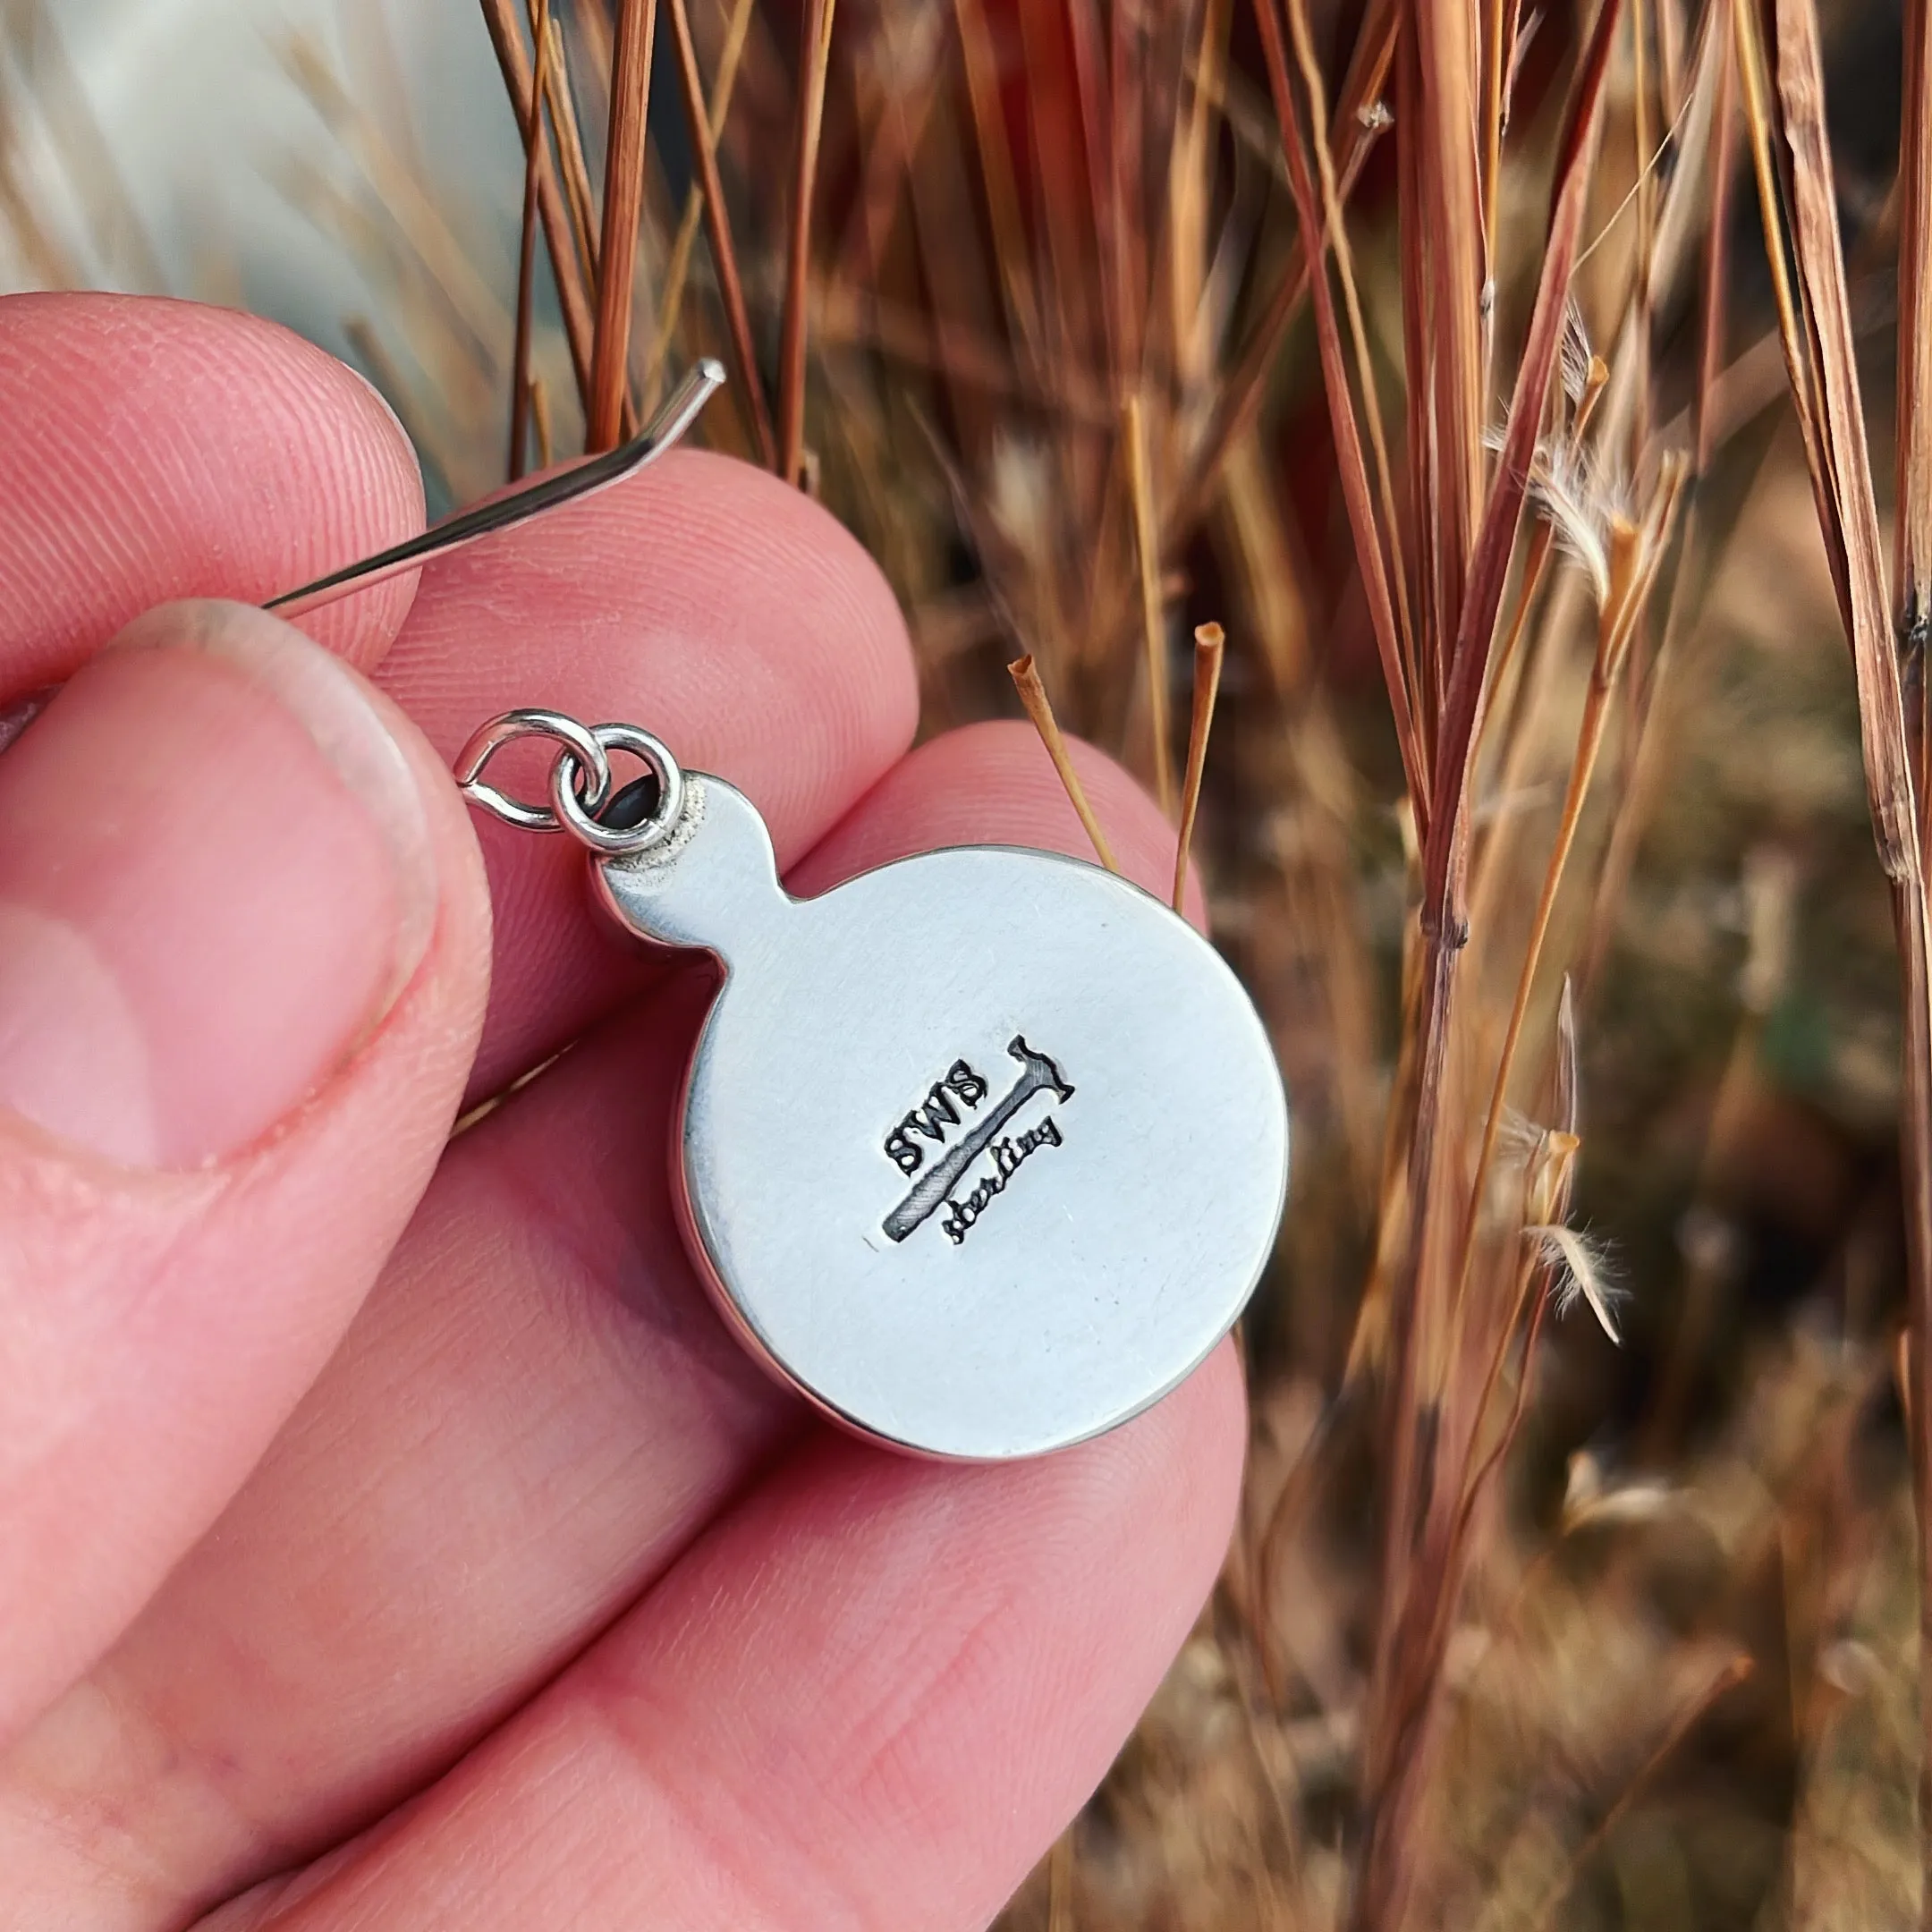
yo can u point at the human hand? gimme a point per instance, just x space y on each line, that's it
390 1535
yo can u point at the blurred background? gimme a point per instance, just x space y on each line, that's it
1578 1576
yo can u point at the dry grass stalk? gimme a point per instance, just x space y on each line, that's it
677 267
1032 692
1376 574
1245 381
536 160
750 388
1636 557
573 166
474 307
1153 613
1210 647
1815 323
1421 1563
1335 231
540 403
623 202
1021 221
814 62
1912 552
519 75
1003 212
1725 1679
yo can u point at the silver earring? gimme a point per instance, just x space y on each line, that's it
983 1151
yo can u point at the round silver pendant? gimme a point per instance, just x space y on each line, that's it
982 1151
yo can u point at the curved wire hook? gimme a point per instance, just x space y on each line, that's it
680 411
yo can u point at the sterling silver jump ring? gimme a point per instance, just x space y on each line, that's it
578 814
577 742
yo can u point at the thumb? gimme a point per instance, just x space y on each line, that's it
243 952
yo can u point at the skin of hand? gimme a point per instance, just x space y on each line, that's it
390 1535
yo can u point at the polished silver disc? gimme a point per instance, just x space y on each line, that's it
983 1151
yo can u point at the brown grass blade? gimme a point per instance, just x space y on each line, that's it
1824 373
1416 1584
539 405
1335 230
1449 201
1495 31
1011 249
577 194
1670 32
814 63
1754 78
1351 460
1245 383
1489 569
499 16
1912 566
1210 647
536 162
1153 615
1636 559
749 386
677 265
623 203
1032 692
1715 314
1842 433
1724 1681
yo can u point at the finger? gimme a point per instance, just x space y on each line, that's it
535 1412
241 962
994 785
872 1697
158 449
706 601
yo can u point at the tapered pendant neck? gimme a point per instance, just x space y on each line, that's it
713 884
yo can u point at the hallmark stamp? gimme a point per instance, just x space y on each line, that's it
1007 1155
1038 1074
933 1116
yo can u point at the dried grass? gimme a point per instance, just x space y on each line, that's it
1579 1576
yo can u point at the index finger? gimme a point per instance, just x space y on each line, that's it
709 603
159 450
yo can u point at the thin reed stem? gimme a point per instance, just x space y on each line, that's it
1402 1721
1913 537
575 169
750 387
1724 1681
1633 576
1816 330
540 403
677 267
1210 647
1153 615
1335 230
536 159
1371 557
814 64
623 202
1032 692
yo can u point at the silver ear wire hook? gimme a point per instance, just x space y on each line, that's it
680 411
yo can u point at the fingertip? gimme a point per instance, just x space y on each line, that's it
161 450
993 784
851 630
708 603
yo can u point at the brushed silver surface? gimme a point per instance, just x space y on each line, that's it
983 1151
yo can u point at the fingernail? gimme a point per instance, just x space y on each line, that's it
215 878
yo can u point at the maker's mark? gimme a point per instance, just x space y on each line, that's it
936 1113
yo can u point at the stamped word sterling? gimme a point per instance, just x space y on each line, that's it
937 1113
1096 1293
